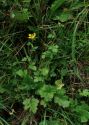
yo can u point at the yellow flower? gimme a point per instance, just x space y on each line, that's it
32 36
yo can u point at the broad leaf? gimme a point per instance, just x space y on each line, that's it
22 73
47 92
62 101
84 92
31 104
44 71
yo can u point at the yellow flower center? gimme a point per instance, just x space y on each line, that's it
32 36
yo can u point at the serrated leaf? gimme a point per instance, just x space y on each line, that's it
44 71
21 73
84 92
82 112
31 104
62 101
38 79
47 92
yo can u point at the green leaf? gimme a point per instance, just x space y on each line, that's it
51 52
84 92
44 71
85 117
51 36
62 101
64 72
64 16
43 103
27 84
31 104
27 58
38 78
59 84
53 49
22 15
56 4
82 112
32 67
22 73
47 92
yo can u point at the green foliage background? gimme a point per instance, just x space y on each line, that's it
44 81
